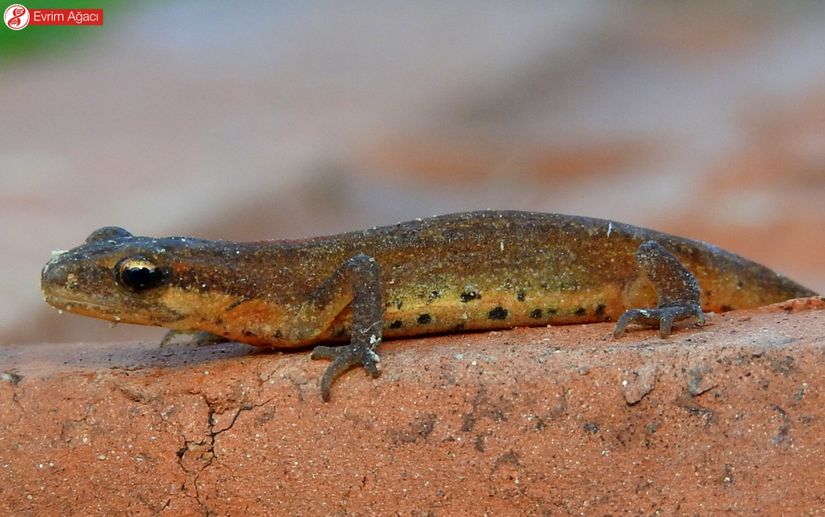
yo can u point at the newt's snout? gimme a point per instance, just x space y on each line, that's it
70 279
55 275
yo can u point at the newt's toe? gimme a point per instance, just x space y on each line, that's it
344 358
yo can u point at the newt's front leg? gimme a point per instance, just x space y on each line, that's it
676 287
356 283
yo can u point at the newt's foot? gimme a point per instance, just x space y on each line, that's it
344 357
677 288
662 317
196 337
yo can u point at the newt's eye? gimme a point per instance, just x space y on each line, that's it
139 274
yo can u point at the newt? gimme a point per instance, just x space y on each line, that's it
461 272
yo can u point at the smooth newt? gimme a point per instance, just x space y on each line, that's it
452 273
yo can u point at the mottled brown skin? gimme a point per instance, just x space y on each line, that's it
470 271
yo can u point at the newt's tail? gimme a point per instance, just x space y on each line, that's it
729 281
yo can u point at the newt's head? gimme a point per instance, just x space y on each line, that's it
113 275
117 276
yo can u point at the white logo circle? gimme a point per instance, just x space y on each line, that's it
16 17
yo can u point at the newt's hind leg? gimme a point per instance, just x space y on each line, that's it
677 288
358 280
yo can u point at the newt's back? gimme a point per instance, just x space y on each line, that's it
495 269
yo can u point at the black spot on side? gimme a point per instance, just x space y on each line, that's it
434 295
218 321
726 308
600 310
536 314
466 296
499 313
459 327
396 324
551 311
520 296
279 334
580 311
424 319
398 304
249 333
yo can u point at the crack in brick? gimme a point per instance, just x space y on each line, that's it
202 451
782 435
13 378
165 505
208 455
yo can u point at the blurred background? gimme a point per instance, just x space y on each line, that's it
293 119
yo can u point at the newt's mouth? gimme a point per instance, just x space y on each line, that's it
65 303
111 312
79 306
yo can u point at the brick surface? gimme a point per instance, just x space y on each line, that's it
528 421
